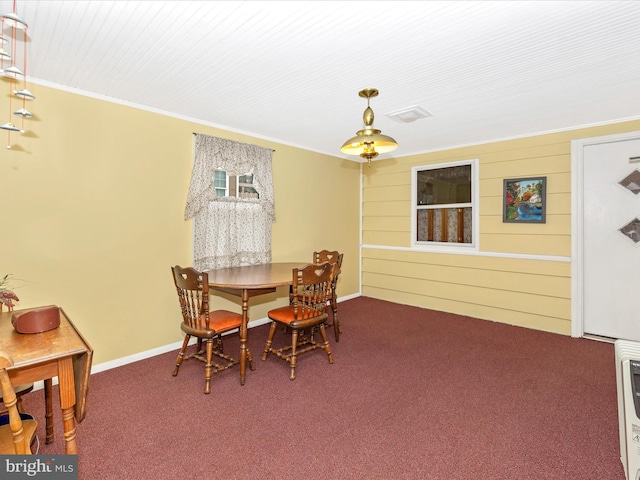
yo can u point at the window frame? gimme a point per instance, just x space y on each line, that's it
233 186
226 183
243 187
450 247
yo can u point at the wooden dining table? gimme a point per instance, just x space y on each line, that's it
250 281
62 352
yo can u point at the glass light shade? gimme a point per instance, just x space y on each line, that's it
24 113
24 93
12 72
10 126
13 20
5 54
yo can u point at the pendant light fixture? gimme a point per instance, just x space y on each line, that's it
369 142
8 58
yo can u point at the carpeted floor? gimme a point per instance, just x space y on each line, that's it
413 394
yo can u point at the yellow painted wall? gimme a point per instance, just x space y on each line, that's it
521 276
92 216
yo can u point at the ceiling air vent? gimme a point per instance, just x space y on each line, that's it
408 115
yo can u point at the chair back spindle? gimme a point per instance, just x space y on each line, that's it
193 293
312 289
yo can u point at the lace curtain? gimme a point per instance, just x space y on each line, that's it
230 231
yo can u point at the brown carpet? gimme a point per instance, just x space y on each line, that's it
413 394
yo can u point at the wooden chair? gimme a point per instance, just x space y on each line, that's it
22 390
16 436
19 390
207 326
332 257
307 310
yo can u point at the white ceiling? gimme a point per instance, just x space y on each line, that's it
291 71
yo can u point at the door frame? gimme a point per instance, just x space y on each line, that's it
577 222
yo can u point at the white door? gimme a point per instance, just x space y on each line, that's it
611 239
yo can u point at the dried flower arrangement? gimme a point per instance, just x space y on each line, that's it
7 296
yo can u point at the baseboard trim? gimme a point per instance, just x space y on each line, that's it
136 357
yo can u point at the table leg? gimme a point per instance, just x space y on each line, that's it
243 334
48 404
67 403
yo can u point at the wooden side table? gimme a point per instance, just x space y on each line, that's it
61 352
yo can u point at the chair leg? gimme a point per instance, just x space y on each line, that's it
292 358
219 344
336 322
181 354
252 366
208 368
267 346
325 345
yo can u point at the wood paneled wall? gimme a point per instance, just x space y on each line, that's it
521 274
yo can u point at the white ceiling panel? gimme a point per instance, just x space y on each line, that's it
291 71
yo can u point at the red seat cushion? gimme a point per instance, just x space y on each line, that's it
224 320
287 314
220 321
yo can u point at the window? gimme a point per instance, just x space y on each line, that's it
444 203
220 183
245 187
240 186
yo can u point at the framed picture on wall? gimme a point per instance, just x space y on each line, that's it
524 200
